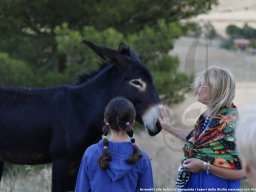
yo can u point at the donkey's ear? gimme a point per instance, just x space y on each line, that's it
108 55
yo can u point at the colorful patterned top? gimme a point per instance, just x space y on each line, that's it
212 140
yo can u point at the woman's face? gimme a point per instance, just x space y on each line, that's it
203 93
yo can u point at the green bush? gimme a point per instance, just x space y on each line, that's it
14 72
228 44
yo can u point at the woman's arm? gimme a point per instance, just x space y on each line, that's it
196 165
166 125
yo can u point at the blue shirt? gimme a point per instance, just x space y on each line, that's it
120 176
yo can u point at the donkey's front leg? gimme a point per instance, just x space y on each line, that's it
1 169
64 173
59 175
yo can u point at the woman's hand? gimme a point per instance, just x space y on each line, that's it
166 124
193 165
165 119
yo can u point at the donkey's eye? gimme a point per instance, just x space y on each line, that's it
138 83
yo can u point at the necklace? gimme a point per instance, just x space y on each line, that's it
206 124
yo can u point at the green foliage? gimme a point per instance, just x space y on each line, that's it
153 42
27 29
249 32
172 84
234 32
14 72
191 29
45 36
246 32
228 44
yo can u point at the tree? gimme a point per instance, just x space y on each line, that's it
234 31
13 71
35 32
247 32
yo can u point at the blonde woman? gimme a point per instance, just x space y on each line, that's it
246 143
211 159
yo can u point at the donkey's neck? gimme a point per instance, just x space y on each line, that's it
98 89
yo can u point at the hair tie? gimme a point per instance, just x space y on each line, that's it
127 124
104 137
107 124
132 139
105 147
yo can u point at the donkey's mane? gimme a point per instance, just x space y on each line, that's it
86 76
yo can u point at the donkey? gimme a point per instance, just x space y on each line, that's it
43 125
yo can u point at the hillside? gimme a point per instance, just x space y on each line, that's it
230 12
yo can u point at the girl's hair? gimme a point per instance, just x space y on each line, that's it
119 114
222 87
245 137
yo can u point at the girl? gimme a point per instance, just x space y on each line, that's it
116 163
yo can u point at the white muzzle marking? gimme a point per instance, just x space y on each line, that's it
150 118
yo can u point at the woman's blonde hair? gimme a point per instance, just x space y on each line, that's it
221 83
245 134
